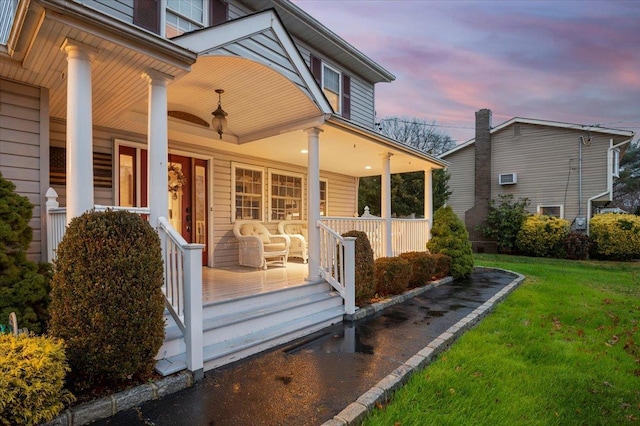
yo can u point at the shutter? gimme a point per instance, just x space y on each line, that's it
316 69
146 14
218 12
346 97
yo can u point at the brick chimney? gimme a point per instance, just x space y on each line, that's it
476 216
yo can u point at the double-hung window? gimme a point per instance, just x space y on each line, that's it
331 86
286 195
335 85
170 18
183 16
247 191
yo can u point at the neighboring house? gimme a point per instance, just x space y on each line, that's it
565 170
120 93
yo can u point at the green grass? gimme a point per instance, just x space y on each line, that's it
562 349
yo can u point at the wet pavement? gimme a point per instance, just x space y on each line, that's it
309 381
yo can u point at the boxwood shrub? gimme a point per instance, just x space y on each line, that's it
107 302
32 372
542 236
392 275
615 236
423 267
365 284
443 265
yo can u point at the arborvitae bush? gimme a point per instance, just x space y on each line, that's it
423 267
107 303
577 246
365 285
24 285
443 265
449 236
615 236
392 275
32 371
543 236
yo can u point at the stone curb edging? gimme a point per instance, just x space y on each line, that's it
110 405
409 294
382 392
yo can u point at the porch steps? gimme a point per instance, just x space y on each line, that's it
242 327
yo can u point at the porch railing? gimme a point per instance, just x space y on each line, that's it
182 273
406 234
337 264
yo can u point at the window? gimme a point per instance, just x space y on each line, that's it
131 182
551 210
336 86
183 16
7 15
324 211
285 196
615 170
247 191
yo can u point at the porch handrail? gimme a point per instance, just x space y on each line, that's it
137 210
183 289
337 264
372 226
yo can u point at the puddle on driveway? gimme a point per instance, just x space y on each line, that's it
347 340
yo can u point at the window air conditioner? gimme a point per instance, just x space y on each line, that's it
507 178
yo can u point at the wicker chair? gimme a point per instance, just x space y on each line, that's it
258 247
298 232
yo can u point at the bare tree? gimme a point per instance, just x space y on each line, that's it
420 134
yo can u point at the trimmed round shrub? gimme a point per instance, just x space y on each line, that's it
449 236
542 236
392 275
443 265
107 303
365 284
32 371
24 285
577 246
423 267
615 236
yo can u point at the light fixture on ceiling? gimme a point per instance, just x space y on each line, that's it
304 151
367 167
219 121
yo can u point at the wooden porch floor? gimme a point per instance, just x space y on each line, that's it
238 281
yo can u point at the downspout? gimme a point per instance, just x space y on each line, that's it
609 178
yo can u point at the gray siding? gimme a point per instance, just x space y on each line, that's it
20 149
120 9
462 181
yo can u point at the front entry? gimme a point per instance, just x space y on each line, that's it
188 199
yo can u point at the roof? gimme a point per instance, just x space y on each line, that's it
557 124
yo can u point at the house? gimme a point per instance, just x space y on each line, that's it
196 114
565 170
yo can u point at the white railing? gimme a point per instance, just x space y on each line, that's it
409 235
337 264
56 223
373 227
183 289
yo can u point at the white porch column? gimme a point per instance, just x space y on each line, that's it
313 200
385 200
428 198
158 145
79 186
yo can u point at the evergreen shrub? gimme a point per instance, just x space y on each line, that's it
543 236
423 267
392 275
32 372
107 303
24 285
365 284
615 236
443 265
577 246
504 221
449 236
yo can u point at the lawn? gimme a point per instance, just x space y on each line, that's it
562 349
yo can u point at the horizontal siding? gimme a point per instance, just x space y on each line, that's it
20 149
462 180
120 9
546 161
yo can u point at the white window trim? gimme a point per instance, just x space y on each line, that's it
270 196
541 206
615 154
325 65
116 169
166 8
326 192
244 166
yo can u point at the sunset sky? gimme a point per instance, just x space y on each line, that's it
570 61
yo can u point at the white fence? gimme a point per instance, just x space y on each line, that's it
337 264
